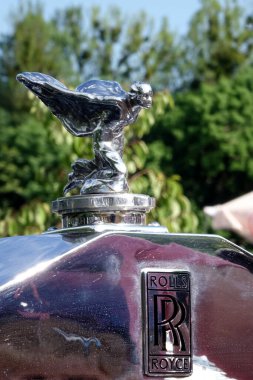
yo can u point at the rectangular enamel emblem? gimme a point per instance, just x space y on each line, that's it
167 323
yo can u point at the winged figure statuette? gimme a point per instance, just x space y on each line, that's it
99 108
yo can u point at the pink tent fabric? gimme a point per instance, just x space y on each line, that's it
236 215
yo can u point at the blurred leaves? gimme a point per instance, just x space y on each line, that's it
210 139
109 46
218 42
173 207
30 219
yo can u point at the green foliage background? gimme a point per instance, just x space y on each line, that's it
193 148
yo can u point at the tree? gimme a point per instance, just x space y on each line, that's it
32 216
36 151
32 45
108 47
174 209
218 42
208 139
67 46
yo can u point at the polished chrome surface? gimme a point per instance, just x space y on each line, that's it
105 202
111 228
166 322
99 108
103 208
71 303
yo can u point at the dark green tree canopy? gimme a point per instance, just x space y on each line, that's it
219 41
213 127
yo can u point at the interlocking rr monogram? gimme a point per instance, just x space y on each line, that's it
172 314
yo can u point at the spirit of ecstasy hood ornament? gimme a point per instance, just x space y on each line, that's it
99 108
102 109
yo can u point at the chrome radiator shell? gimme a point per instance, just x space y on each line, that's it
71 303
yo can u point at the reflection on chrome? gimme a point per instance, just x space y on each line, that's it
86 342
93 290
41 266
204 369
